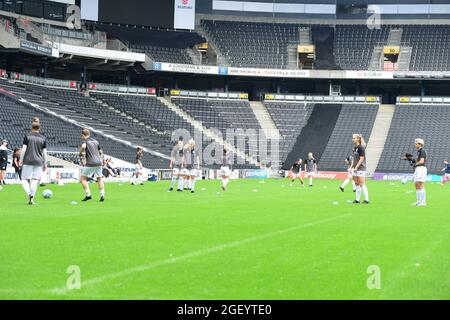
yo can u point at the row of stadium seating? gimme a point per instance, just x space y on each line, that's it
164 54
144 120
61 136
353 118
140 120
265 45
409 122
429 122
222 115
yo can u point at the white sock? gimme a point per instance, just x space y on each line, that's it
33 187
365 192
358 193
192 184
354 184
102 193
26 186
346 181
172 183
310 181
424 195
180 183
225 182
419 195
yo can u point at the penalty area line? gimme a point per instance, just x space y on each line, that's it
194 254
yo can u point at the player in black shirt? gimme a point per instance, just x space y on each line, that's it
296 172
359 167
3 161
446 170
310 168
138 174
420 173
15 163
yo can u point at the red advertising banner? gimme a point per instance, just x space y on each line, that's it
330 175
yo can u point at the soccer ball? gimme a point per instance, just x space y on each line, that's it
47 194
404 180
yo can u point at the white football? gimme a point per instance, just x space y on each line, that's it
47 194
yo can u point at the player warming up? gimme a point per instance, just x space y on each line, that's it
3 161
138 174
296 172
446 176
359 168
310 168
191 163
91 158
225 169
33 160
420 172
175 164
348 161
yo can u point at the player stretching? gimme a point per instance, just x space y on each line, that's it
175 164
296 172
3 161
348 161
446 176
420 173
225 169
310 168
191 162
91 156
359 167
138 174
33 159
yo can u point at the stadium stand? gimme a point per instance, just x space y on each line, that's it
353 45
252 44
160 45
353 118
290 118
348 47
428 122
314 135
220 114
61 136
86 111
431 47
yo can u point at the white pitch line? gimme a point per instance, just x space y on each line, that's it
152 265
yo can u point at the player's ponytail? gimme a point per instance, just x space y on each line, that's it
362 141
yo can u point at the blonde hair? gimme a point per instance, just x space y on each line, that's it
360 139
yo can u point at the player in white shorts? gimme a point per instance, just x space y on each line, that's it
91 156
225 169
33 159
296 172
191 164
138 174
359 167
3 161
175 163
310 168
348 161
420 172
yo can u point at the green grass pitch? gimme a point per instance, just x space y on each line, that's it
278 242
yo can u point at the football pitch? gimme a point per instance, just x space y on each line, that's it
255 241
